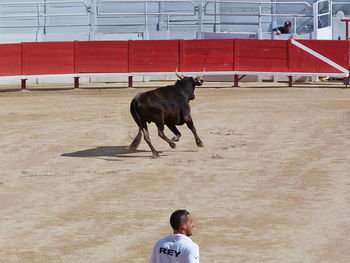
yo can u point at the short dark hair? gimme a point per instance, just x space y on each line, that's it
287 23
178 217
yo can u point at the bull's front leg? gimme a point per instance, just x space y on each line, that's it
162 135
175 131
190 125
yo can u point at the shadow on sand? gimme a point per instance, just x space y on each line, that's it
104 151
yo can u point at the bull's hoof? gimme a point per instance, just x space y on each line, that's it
200 144
172 145
132 148
175 139
155 154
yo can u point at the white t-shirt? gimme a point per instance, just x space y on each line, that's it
175 248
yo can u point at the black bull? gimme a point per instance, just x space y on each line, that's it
165 106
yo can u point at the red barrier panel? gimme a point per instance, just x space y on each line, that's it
101 57
11 60
262 55
319 56
211 54
47 58
153 55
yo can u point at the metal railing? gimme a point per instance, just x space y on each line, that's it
37 11
158 15
40 8
163 16
260 14
202 14
146 3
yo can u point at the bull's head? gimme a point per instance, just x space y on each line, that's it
197 80
188 84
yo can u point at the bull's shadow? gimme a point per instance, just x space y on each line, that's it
104 151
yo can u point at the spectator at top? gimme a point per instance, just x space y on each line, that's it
285 29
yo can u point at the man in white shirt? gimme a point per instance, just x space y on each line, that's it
177 247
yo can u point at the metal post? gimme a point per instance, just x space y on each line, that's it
167 27
346 80
346 28
215 16
160 16
40 29
76 82
23 84
290 81
259 33
199 9
235 80
274 11
330 10
315 20
45 18
92 9
130 81
146 32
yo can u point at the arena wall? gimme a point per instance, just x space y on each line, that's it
147 57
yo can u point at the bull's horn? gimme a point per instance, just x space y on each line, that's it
199 76
178 75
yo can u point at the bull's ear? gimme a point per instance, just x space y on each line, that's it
199 76
179 75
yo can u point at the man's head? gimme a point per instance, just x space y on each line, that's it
287 25
182 222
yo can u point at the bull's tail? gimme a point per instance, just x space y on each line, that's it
134 112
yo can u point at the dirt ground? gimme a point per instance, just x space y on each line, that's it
271 183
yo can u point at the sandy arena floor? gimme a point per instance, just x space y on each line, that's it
271 184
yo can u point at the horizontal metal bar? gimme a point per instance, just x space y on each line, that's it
340 3
144 2
40 15
39 26
257 3
148 1
291 15
145 14
128 24
281 15
235 33
42 3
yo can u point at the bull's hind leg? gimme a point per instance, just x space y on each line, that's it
175 131
148 140
135 143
